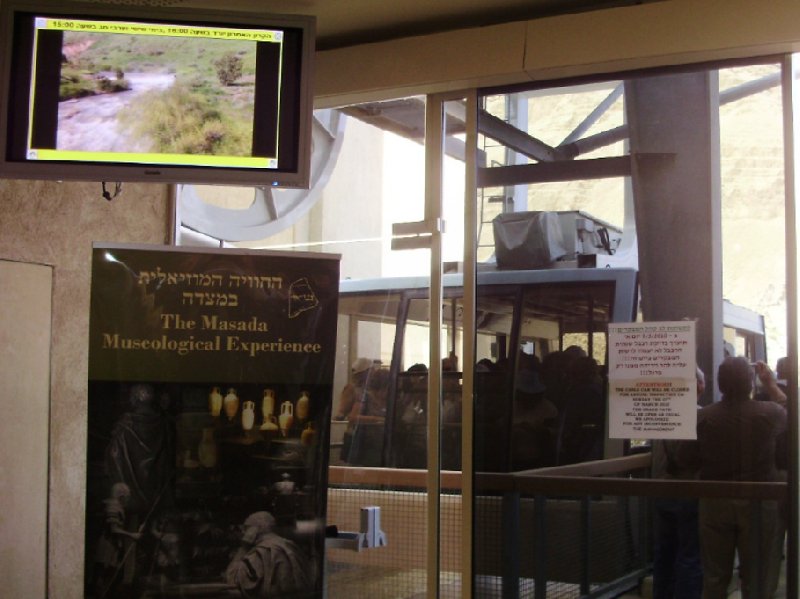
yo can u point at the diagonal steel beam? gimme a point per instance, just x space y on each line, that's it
593 116
605 138
516 139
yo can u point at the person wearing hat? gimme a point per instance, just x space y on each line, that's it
363 403
351 400
535 420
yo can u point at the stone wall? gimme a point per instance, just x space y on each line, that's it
55 224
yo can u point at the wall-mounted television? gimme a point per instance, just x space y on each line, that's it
101 92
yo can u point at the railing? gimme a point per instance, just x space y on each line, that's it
529 496
392 477
609 476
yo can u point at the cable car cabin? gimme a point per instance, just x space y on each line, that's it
540 369
743 332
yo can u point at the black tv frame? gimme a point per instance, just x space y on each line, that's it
294 120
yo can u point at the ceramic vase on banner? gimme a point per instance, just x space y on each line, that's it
215 402
231 404
286 419
270 423
302 408
248 415
207 450
308 434
268 404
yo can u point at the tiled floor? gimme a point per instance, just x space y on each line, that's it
646 592
354 582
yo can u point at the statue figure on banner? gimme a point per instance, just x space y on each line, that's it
114 553
141 451
267 564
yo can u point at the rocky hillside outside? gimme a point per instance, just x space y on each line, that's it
752 186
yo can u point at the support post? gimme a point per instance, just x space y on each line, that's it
675 146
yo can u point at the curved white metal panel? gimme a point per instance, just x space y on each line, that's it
272 209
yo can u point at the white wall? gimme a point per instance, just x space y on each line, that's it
54 224
25 297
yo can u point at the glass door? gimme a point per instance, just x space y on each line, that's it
370 205
629 176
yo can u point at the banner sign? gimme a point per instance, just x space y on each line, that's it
210 382
652 380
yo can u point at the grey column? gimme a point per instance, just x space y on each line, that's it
675 148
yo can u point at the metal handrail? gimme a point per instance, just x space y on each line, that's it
583 481
603 477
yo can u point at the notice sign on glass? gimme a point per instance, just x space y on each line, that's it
652 381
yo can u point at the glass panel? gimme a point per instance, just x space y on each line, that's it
578 162
409 435
751 164
452 350
415 351
567 125
373 309
556 411
580 121
560 399
366 337
409 442
373 178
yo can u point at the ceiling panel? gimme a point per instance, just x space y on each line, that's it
342 23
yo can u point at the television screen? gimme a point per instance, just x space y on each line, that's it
98 93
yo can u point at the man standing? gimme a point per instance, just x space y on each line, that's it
736 441
677 569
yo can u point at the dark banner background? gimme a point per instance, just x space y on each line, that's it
155 298
210 382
